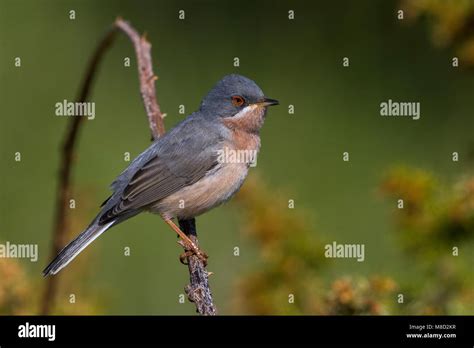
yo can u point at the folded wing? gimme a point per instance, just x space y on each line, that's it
178 160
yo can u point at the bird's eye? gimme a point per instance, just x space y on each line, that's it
237 100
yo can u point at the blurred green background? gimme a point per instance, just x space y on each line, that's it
296 61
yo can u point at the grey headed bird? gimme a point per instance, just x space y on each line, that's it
182 174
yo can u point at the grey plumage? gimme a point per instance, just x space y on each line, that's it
165 167
70 251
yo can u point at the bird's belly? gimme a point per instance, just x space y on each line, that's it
215 188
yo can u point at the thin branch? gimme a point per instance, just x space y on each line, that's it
198 290
65 170
147 78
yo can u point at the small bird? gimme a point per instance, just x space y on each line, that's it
184 174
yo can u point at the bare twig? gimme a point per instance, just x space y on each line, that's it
198 290
65 170
147 78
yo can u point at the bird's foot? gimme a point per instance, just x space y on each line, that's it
192 249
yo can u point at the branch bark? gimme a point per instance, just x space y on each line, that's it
66 167
198 290
147 78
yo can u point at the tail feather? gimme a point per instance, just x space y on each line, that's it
70 251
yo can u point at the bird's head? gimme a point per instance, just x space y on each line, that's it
237 99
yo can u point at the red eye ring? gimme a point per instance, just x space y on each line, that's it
237 100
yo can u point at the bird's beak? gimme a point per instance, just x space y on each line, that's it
268 102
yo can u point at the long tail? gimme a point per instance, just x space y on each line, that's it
70 251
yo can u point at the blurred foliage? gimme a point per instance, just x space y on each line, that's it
20 294
433 217
289 251
451 24
433 221
434 227
289 279
349 296
15 289
21 291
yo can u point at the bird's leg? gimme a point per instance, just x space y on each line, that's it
188 244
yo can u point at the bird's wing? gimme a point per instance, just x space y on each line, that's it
179 159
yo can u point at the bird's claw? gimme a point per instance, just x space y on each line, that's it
192 250
184 256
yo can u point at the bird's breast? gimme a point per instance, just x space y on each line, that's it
234 155
216 187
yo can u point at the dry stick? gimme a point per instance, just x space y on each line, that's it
66 166
147 78
198 291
